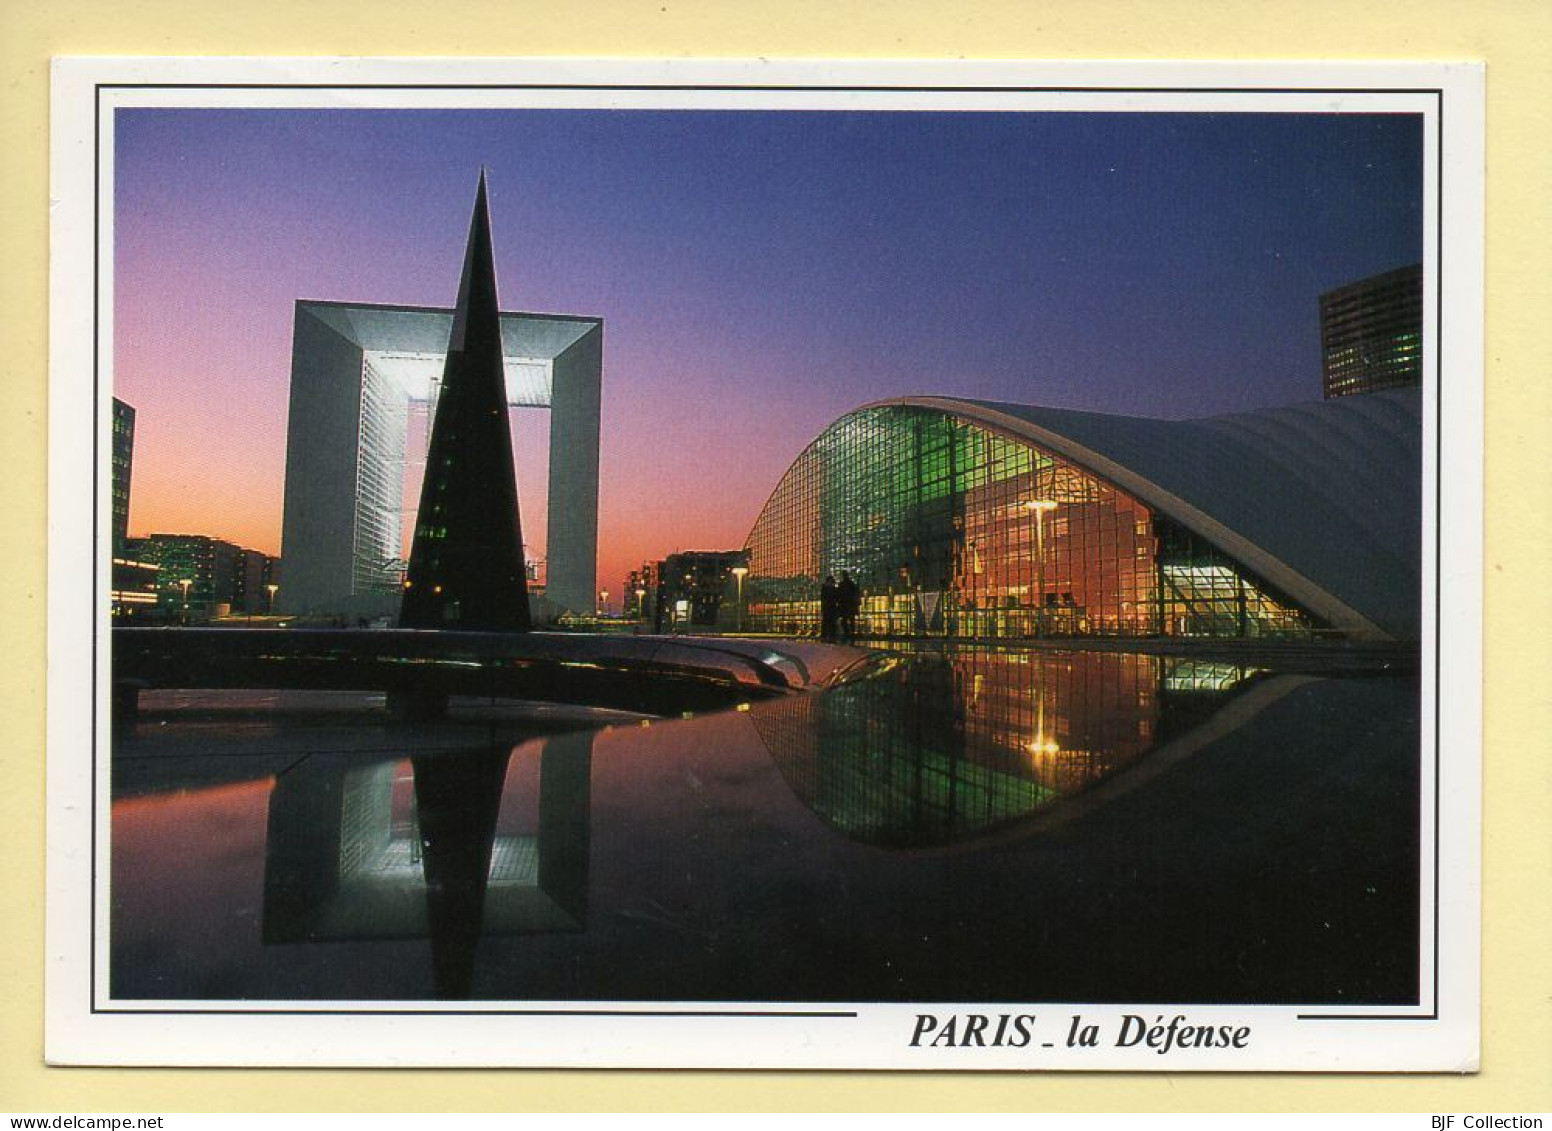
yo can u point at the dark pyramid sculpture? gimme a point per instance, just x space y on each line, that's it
466 566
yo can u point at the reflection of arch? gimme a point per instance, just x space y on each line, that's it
946 748
354 854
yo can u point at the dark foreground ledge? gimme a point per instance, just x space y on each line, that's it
419 669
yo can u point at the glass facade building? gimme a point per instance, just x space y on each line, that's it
182 577
196 576
376 559
123 464
954 529
1371 333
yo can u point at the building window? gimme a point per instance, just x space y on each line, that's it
952 530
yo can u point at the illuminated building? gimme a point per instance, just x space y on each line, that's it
222 578
123 464
364 378
696 589
134 592
639 583
196 576
361 376
977 520
253 573
1371 333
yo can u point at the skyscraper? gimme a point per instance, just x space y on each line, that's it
134 591
1371 333
123 463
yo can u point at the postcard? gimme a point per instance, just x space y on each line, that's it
754 564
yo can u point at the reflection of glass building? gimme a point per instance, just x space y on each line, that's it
363 377
1371 333
944 748
977 520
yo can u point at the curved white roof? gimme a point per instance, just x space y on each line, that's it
1322 500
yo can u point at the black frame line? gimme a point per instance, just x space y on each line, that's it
97 205
779 1013
757 87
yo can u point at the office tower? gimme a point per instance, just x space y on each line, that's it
1371 333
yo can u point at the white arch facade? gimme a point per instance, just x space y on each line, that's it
355 370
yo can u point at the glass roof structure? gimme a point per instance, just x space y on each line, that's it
978 519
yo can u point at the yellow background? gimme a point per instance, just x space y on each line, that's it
1513 38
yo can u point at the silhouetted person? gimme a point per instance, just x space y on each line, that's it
849 599
829 608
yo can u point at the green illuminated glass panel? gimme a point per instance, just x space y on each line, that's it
955 743
953 530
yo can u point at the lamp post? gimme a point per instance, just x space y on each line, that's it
270 589
641 604
739 572
184 584
603 602
1038 507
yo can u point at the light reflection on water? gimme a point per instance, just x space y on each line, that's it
445 846
672 862
943 747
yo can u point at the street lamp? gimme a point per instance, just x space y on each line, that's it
1038 507
738 572
184 583
603 602
270 589
641 603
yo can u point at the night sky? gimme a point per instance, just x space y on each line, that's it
758 273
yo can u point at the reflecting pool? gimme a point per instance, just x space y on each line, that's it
972 825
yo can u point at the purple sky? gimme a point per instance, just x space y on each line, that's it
758 273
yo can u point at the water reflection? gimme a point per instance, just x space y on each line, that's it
943 747
412 848
290 859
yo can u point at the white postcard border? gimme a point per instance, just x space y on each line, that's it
83 1027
